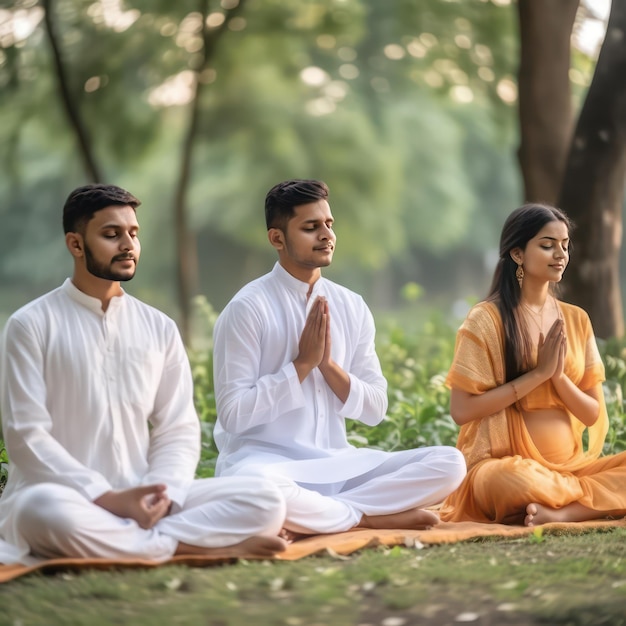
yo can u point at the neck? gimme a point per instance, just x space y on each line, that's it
535 296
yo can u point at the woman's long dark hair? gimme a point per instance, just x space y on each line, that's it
519 228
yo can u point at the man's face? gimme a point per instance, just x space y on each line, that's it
309 240
111 243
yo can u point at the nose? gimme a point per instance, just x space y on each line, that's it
127 242
326 232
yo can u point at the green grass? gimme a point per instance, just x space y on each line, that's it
578 580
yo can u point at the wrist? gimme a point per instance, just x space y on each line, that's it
540 375
302 369
326 366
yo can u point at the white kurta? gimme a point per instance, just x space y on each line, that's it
93 401
270 423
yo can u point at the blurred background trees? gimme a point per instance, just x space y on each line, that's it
409 110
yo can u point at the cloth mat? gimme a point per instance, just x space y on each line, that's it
336 544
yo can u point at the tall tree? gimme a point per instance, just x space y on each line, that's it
583 172
593 186
187 258
85 146
545 100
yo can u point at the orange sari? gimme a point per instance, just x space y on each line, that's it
506 470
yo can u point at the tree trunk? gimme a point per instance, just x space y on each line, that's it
593 186
186 245
84 144
545 105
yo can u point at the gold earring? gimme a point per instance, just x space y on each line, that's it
519 274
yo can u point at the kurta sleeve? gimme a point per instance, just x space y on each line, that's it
245 397
367 400
27 424
175 436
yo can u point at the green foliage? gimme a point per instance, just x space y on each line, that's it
614 357
360 93
4 466
415 362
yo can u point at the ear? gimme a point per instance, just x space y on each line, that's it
74 243
276 238
517 254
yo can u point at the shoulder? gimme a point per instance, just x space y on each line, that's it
38 309
339 291
253 296
483 323
573 311
576 319
148 310
255 290
483 312
148 316
346 303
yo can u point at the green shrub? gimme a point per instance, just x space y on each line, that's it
4 466
614 356
415 363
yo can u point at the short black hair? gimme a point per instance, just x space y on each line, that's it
282 199
83 202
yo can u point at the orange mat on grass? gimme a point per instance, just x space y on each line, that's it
335 544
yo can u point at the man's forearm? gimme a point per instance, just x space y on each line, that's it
337 379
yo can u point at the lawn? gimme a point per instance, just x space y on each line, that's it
549 579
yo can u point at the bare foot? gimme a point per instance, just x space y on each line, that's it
251 548
290 535
537 514
415 519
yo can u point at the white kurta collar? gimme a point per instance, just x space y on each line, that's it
91 303
291 282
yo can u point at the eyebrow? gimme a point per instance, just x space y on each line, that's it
318 220
116 225
554 238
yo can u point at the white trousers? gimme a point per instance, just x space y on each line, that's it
408 479
57 521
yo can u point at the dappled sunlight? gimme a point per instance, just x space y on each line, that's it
507 90
394 52
314 76
111 13
175 91
462 93
17 26
216 19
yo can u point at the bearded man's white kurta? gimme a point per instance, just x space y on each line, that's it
95 401
269 423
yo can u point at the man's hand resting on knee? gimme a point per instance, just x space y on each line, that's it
146 504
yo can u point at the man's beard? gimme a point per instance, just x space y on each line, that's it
106 272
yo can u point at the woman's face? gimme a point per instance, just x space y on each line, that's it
546 255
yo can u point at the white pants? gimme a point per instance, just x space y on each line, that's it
408 479
57 521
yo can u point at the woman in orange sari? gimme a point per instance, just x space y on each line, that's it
526 389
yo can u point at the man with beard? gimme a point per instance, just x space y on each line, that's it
99 423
